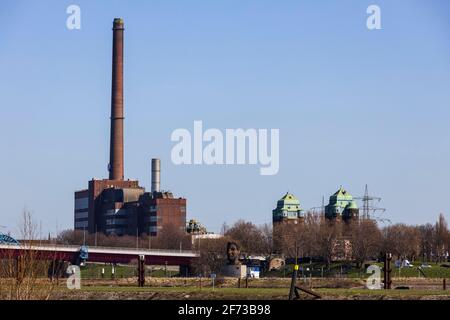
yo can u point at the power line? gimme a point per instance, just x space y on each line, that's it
369 210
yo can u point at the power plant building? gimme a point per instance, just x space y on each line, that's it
119 206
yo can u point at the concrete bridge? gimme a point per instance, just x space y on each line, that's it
182 258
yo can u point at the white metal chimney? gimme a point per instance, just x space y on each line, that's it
156 175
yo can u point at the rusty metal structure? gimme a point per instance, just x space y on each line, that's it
387 271
141 271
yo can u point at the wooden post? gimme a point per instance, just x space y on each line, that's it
387 271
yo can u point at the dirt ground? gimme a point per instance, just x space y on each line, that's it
258 289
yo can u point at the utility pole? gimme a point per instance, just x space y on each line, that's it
368 208
294 275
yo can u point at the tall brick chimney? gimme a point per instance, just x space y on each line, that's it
116 171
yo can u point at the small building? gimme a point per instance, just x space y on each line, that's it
276 263
198 232
197 238
341 206
255 265
253 272
195 227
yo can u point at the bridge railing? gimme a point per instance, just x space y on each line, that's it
93 248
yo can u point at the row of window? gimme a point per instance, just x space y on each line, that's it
81 203
116 222
81 215
81 224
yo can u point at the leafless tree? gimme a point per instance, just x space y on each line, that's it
248 235
427 239
366 240
172 237
328 235
212 256
24 277
441 238
299 238
267 239
401 240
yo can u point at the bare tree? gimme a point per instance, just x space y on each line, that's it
212 256
267 239
441 238
427 239
24 276
248 235
402 241
171 237
329 233
299 238
366 240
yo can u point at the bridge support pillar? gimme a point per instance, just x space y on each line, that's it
185 271
141 271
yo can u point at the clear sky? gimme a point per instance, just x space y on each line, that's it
353 106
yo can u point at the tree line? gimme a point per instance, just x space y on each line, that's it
315 237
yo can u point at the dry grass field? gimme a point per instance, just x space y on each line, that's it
258 289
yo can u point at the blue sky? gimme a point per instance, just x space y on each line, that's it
353 106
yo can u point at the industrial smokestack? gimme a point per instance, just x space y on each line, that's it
116 143
156 175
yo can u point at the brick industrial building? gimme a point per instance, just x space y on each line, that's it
119 206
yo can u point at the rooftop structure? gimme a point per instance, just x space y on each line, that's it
341 206
288 210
